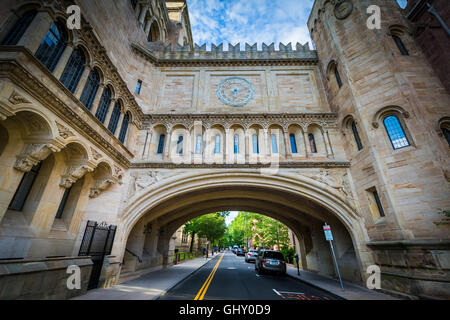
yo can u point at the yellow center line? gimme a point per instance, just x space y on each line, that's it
205 286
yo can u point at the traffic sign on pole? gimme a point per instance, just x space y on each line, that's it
329 238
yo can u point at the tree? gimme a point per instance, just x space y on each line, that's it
212 226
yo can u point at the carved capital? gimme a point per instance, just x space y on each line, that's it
73 173
33 154
100 186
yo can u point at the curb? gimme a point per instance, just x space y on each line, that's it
187 276
317 287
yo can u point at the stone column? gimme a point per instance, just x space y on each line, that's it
97 98
287 145
59 69
187 152
247 146
166 155
110 111
82 82
142 15
119 123
306 142
267 139
229 147
36 31
330 153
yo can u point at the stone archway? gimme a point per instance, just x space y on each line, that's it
298 201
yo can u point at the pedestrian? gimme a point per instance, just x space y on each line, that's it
204 253
296 260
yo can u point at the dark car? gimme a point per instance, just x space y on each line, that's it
251 256
240 252
270 261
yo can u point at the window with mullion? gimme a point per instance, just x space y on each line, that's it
396 133
63 203
293 143
161 144
312 143
104 105
73 70
115 118
52 46
90 89
255 144
274 144
357 137
24 188
19 28
236 143
400 45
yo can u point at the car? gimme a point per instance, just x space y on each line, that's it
251 256
270 261
240 252
235 247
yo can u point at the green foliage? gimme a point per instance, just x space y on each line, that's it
212 226
288 253
445 213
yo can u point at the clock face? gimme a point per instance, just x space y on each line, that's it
235 91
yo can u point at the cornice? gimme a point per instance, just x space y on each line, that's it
20 76
281 164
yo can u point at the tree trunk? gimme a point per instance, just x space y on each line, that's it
192 242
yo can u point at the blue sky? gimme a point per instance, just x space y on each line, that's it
233 21
216 21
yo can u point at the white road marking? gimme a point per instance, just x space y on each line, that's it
288 292
277 293
231 268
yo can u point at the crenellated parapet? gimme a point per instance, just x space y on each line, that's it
159 53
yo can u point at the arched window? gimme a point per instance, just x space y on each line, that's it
19 28
104 104
395 132
153 35
255 144
236 143
22 192
52 46
312 143
356 135
217 144
401 46
180 145
198 144
115 118
293 143
274 144
124 129
73 70
161 144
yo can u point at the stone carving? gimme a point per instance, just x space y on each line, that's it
64 131
343 9
100 186
33 154
341 185
73 173
95 154
16 98
145 180
235 91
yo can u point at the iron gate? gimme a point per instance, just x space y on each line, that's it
97 242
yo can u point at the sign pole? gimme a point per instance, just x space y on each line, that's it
329 237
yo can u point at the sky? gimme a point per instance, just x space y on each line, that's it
231 217
233 21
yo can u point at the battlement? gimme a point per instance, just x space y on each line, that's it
234 52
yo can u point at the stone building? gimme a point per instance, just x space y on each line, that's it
114 135
183 242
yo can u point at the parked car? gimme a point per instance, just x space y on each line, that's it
235 249
251 256
270 261
240 252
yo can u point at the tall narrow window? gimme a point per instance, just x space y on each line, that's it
161 143
236 144
73 70
115 118
138 87
338 76
378 202
217 145
400 45
198 144
255 144
124 129
446 133
293 143
103 105
22 192
52 46
312 143
356 135
63 203
395 132
180 145
19 28
274 144
90 89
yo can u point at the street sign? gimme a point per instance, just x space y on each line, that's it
328 234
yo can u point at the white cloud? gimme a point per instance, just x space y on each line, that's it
216 21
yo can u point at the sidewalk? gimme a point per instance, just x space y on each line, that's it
149 286
351 291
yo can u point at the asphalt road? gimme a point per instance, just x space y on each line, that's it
229 277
